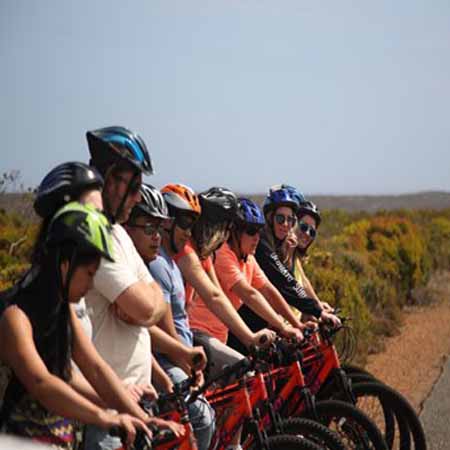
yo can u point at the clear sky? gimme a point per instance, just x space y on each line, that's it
344 97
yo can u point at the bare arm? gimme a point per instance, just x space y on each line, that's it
167 324
208 288
255 301
271 293
143 303
19 352
180 354
160 378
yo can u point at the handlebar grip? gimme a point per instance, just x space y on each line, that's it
263 339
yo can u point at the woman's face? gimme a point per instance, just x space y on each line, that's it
306 231
82 279
249 242
283 221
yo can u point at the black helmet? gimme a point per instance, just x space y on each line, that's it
63 184
152 203
218 204
111 144
308 208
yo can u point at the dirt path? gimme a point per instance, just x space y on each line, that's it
412 362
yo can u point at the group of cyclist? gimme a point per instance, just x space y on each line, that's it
132 289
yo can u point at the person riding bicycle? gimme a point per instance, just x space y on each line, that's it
70 181
40 334
172 337
308 221
124 285
243 281
209 232
280 208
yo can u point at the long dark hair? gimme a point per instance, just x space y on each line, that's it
43 297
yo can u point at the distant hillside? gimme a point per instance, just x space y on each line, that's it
372 203
22 203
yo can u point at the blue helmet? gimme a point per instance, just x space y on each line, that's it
109 145
295 193
249 213
281 195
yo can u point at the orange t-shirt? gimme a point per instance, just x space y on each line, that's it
229 271
206 264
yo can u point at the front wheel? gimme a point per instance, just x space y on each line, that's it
286 442
354 428
313 431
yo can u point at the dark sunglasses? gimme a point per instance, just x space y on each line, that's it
252 230
185 222
280 219
150 229
307 229
134 186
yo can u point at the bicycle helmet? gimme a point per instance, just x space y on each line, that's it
280 195
85 226
152 203
296 194
109 145
249 213
181 199
218 204
63 184
309 208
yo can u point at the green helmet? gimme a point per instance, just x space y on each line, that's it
83 225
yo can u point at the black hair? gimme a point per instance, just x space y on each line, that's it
42 296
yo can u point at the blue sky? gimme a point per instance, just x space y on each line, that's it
348 97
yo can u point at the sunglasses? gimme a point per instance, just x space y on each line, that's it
280 219
134 186
252 230
307 229
150 229
185 222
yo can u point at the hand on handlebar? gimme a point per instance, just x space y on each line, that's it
331 318
176 428
129 425
292 333
263 338
138 390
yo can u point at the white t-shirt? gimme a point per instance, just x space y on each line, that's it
126 348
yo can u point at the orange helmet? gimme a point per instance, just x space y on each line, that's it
180 198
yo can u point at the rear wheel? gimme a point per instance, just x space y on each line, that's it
372 397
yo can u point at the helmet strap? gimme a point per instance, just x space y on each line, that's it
173 247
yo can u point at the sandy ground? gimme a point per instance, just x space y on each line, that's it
413 361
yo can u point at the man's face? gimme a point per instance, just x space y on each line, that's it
115 189
145 234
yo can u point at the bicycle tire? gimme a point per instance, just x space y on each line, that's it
287 442
313 431
350 369
385 419
403 411
354 428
